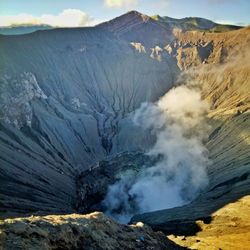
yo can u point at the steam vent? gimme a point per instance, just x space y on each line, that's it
130 134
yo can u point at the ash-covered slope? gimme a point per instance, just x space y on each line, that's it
136 27
64 98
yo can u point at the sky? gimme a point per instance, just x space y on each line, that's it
74 13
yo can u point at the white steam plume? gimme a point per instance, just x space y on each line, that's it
178 122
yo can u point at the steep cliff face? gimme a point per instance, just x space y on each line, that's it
65 95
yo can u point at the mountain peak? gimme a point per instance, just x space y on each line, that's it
131 17
135 15
133 26
135 12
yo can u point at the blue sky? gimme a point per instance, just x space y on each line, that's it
230 11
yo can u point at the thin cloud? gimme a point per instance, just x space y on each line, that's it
160 4
222 1
120 3
226 22
67 18
231 22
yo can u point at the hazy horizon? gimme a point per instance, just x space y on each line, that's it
79 13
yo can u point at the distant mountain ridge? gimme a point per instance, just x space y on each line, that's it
194 23
134 18
22 29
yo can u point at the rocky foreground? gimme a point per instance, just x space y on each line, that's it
93 231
